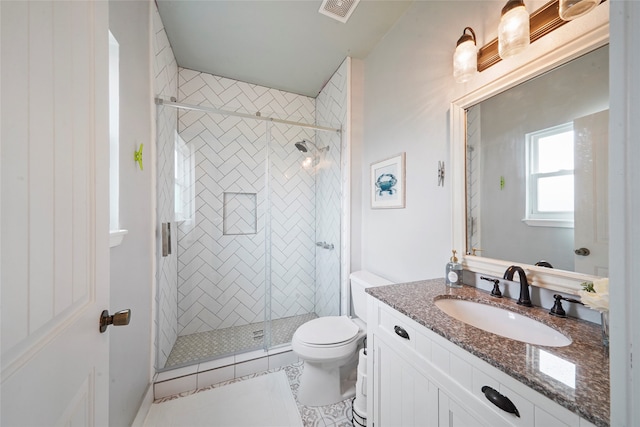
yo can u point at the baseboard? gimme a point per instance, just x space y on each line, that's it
145 406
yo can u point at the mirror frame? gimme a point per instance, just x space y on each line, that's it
566 43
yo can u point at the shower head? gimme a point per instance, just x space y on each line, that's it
304 148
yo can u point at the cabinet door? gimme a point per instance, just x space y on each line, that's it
403 396
452 414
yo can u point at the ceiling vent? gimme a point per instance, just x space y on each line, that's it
339 10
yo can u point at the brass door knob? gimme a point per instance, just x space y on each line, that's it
121 318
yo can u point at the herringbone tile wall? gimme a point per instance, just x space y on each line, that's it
222 277
166 86
293 224
331 110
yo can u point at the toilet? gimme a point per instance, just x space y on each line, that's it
329 346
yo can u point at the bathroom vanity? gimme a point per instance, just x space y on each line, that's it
427 368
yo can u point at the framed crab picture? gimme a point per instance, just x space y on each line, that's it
388 182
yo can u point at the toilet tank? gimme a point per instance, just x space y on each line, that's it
360 280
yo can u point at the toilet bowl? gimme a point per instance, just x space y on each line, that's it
329 348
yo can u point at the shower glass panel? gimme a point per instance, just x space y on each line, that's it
304 224
255 232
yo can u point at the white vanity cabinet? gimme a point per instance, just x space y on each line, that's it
418 378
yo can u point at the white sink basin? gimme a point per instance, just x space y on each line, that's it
502 322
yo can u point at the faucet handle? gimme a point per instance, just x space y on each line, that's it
496 286
557 309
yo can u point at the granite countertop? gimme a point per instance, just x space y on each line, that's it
590 397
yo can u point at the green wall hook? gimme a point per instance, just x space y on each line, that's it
501 179
137 156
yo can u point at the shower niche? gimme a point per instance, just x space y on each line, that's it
239 214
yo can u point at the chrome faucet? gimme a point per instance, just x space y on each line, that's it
524 299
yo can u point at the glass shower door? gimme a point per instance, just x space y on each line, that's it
303 247
220 216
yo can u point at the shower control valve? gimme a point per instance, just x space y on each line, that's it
325 245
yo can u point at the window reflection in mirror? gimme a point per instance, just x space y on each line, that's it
533 194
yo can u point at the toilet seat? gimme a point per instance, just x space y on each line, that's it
329 331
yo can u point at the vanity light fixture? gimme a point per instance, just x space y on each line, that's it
543 21
465 58
513 30
572 9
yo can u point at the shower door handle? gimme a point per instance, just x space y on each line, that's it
166 239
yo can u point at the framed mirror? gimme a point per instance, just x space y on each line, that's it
503 180
536 169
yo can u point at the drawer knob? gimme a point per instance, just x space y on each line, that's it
401 332
500 400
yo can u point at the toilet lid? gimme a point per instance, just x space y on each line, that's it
327 330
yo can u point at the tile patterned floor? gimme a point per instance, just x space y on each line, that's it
228 341
337 415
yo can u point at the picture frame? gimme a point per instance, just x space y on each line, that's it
388 183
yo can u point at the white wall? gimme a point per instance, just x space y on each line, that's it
408 86
132 261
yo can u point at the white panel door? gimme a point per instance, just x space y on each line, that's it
591 137
54 212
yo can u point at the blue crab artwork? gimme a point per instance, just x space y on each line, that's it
385 184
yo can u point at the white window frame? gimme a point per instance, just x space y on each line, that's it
533 217
184 174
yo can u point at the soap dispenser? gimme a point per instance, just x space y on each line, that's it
453 277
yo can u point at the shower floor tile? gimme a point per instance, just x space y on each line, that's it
237 339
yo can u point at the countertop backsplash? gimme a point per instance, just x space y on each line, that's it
539 297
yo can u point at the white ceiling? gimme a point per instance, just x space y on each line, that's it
281 44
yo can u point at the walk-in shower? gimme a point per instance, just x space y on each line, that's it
245 213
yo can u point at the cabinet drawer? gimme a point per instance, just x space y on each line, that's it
396 326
